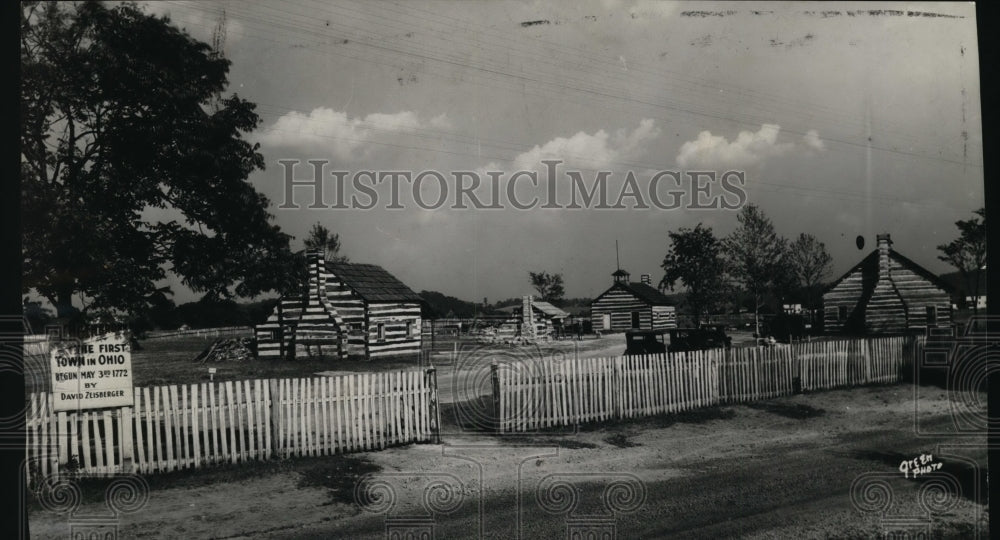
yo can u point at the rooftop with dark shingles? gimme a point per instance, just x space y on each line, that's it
373 283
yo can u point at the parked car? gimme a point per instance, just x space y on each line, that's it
786 327
698 339
645 342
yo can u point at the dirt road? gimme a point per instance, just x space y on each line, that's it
780 468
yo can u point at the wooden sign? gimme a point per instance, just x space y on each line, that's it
94 373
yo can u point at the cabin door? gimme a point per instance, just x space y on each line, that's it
606 321
635 319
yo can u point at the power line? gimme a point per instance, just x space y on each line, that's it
817 192
599 93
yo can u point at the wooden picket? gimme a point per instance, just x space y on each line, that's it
347 413
199 424
540 395
92 442
753 373
544 393
190 426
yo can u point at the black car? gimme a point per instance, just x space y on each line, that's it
645 342
698 339
786 327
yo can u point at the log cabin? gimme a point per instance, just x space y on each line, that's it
628 305
886 293
547 319
348 310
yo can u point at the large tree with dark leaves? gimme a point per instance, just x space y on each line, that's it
134 164
696 259
809 263
548 286
758 258
967 253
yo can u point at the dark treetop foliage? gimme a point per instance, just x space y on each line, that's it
967 253
757 256
696 260
123 119
809 263
549 286
322 238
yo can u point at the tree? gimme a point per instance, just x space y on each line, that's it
321 238
696 260
757 257
809 263
967 253
548 286
122 120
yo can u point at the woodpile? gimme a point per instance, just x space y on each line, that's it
227 350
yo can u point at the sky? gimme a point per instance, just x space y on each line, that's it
846 119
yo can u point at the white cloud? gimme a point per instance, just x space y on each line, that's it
598 151
813 141
749 148
328 130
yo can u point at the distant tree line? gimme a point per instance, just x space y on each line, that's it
754 267
757 269
204 313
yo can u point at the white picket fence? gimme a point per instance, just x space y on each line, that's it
178 427
752 373
355 412
189 426
547 392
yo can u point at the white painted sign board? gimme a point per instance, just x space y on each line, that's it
94 373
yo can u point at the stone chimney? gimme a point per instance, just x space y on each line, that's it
884 247
645 279
527 318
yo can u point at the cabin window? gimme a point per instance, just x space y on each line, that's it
381 332
635 319
842 313
411 328
931 315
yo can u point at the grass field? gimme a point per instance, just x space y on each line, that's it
170 360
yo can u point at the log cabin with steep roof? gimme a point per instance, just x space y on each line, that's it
628 305
348 310
886 293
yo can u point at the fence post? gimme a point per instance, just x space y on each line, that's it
793 352
495 378
616 385
434 410
127 448
276 415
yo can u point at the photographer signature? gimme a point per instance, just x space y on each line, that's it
911 468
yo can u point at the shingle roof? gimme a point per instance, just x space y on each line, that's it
549 309
648 294
373 283
545 307
869 267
